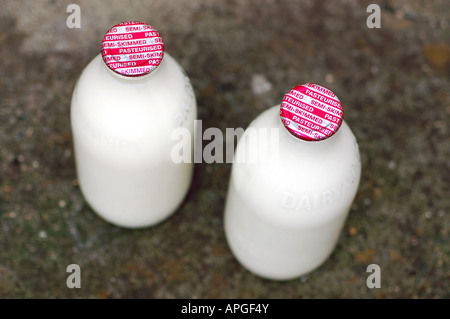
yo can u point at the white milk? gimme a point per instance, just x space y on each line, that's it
284 213
122 127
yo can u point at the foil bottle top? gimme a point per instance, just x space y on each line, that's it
132 49
311 112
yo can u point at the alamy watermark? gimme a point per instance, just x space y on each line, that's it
256 145
374 279
374 19
74 19
74 279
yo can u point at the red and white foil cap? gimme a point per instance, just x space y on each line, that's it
132 48
311 112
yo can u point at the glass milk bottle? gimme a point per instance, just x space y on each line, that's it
292 186
125 106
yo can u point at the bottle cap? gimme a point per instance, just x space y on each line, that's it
132 48
311 112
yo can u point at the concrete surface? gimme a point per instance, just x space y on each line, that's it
242 56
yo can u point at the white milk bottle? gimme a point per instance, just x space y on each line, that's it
292 186
125 106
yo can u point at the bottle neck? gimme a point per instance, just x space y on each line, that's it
304 144
133 79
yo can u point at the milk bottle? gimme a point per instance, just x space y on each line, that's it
284 212
125 105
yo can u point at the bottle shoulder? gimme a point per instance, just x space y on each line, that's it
99 77
298 182
133 108
275 157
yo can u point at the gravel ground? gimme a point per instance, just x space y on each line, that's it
241 56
